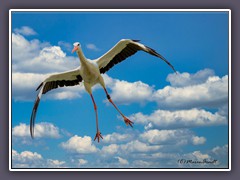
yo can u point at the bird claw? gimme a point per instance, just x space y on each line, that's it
98 136
128 122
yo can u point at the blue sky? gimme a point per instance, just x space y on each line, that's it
183 116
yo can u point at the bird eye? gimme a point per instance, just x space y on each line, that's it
78 44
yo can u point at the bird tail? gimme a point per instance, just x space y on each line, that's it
33 116
34 110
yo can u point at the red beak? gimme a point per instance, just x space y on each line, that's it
74 49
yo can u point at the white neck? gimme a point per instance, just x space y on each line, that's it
81 55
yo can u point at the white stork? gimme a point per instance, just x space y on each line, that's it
90 73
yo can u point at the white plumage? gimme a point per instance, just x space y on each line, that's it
90 74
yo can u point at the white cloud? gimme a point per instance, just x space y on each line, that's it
198 140
25 30
82 161
124 92
38 57
180 118
25 159
28 159
171 137
110 149
117 138
42 130
200 90
199 156
66 95
26 155
223 110
212 93
53 52
24 50
186 79
138 146
122 161
54 163
220 151
25 84
92 47
82 145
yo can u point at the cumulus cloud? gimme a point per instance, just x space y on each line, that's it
117 138
198 140
25 30
24 50
201 90
81 145
171 137
39 57
122 161
26 155
187 79
25 84
42 130
54 163
138 146
28 159
218 156
53 52
67 94
220 151
25 159
124 92
82 161
196 156
199 156
110 149
180 118
212 93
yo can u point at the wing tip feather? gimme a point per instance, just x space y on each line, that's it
135 40
155 53
33 116
39 86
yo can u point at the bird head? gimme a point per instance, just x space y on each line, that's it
76 46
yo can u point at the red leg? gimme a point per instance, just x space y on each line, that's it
126 120
98 134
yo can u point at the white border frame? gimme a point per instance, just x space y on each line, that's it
117 10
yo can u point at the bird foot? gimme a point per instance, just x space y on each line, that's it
128 122
98 136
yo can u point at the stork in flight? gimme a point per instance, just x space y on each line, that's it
90 73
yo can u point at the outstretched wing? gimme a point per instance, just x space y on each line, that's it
122 50
68 78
